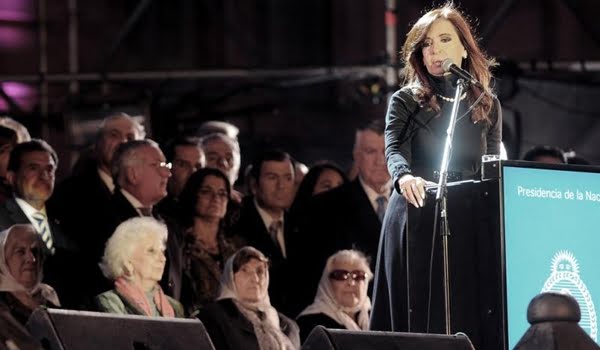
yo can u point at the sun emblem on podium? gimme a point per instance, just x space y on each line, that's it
564 278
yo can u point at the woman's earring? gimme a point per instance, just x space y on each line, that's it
465 54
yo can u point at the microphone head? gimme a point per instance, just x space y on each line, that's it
446 64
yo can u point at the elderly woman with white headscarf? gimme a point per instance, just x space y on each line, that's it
21 262
341 301
242 317
134 258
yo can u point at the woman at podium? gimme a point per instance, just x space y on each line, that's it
416 122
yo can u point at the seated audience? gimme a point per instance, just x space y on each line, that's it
545 154
243 317
208 238
341 301
21 262
134 259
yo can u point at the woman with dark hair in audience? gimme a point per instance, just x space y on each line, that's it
208 242
242 317
21 262
321 177
341 301
134 258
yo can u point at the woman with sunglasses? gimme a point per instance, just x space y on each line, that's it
341 301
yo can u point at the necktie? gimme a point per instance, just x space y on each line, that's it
145 211
43 230
381 205
277 235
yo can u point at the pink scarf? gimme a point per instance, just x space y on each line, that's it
136 296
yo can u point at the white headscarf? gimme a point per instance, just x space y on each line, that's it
7 281
268 330
326 303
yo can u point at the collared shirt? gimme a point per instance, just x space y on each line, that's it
373 195
133 201
28 210
268 220
107 179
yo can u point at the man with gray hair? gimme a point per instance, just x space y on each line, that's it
141 173
83 199
223 153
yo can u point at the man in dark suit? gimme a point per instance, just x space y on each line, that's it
82 201
186 156
31 171
264 222
350 216
141 173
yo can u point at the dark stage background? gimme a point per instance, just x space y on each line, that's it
298 74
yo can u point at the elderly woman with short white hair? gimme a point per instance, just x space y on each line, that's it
134 258
341 301
21 262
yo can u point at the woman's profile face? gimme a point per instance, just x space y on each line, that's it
251 281
212 198
349 283
441 42
23 256
147 261
327 180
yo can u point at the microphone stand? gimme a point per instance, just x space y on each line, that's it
441 199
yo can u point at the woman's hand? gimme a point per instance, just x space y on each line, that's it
413 189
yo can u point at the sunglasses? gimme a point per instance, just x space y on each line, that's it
344 275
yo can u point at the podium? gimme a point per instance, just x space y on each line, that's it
474 263
526 229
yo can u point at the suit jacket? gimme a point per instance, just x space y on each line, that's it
61 269
171 282
342 218
230 330
82 203
252 229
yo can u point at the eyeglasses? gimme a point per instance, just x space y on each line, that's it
160 165
344 275
165 165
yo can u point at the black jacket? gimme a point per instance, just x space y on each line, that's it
230 330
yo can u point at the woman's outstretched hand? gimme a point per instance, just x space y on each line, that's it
413 189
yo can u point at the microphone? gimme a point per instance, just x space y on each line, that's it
449 66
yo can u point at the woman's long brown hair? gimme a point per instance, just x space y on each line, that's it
477 62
